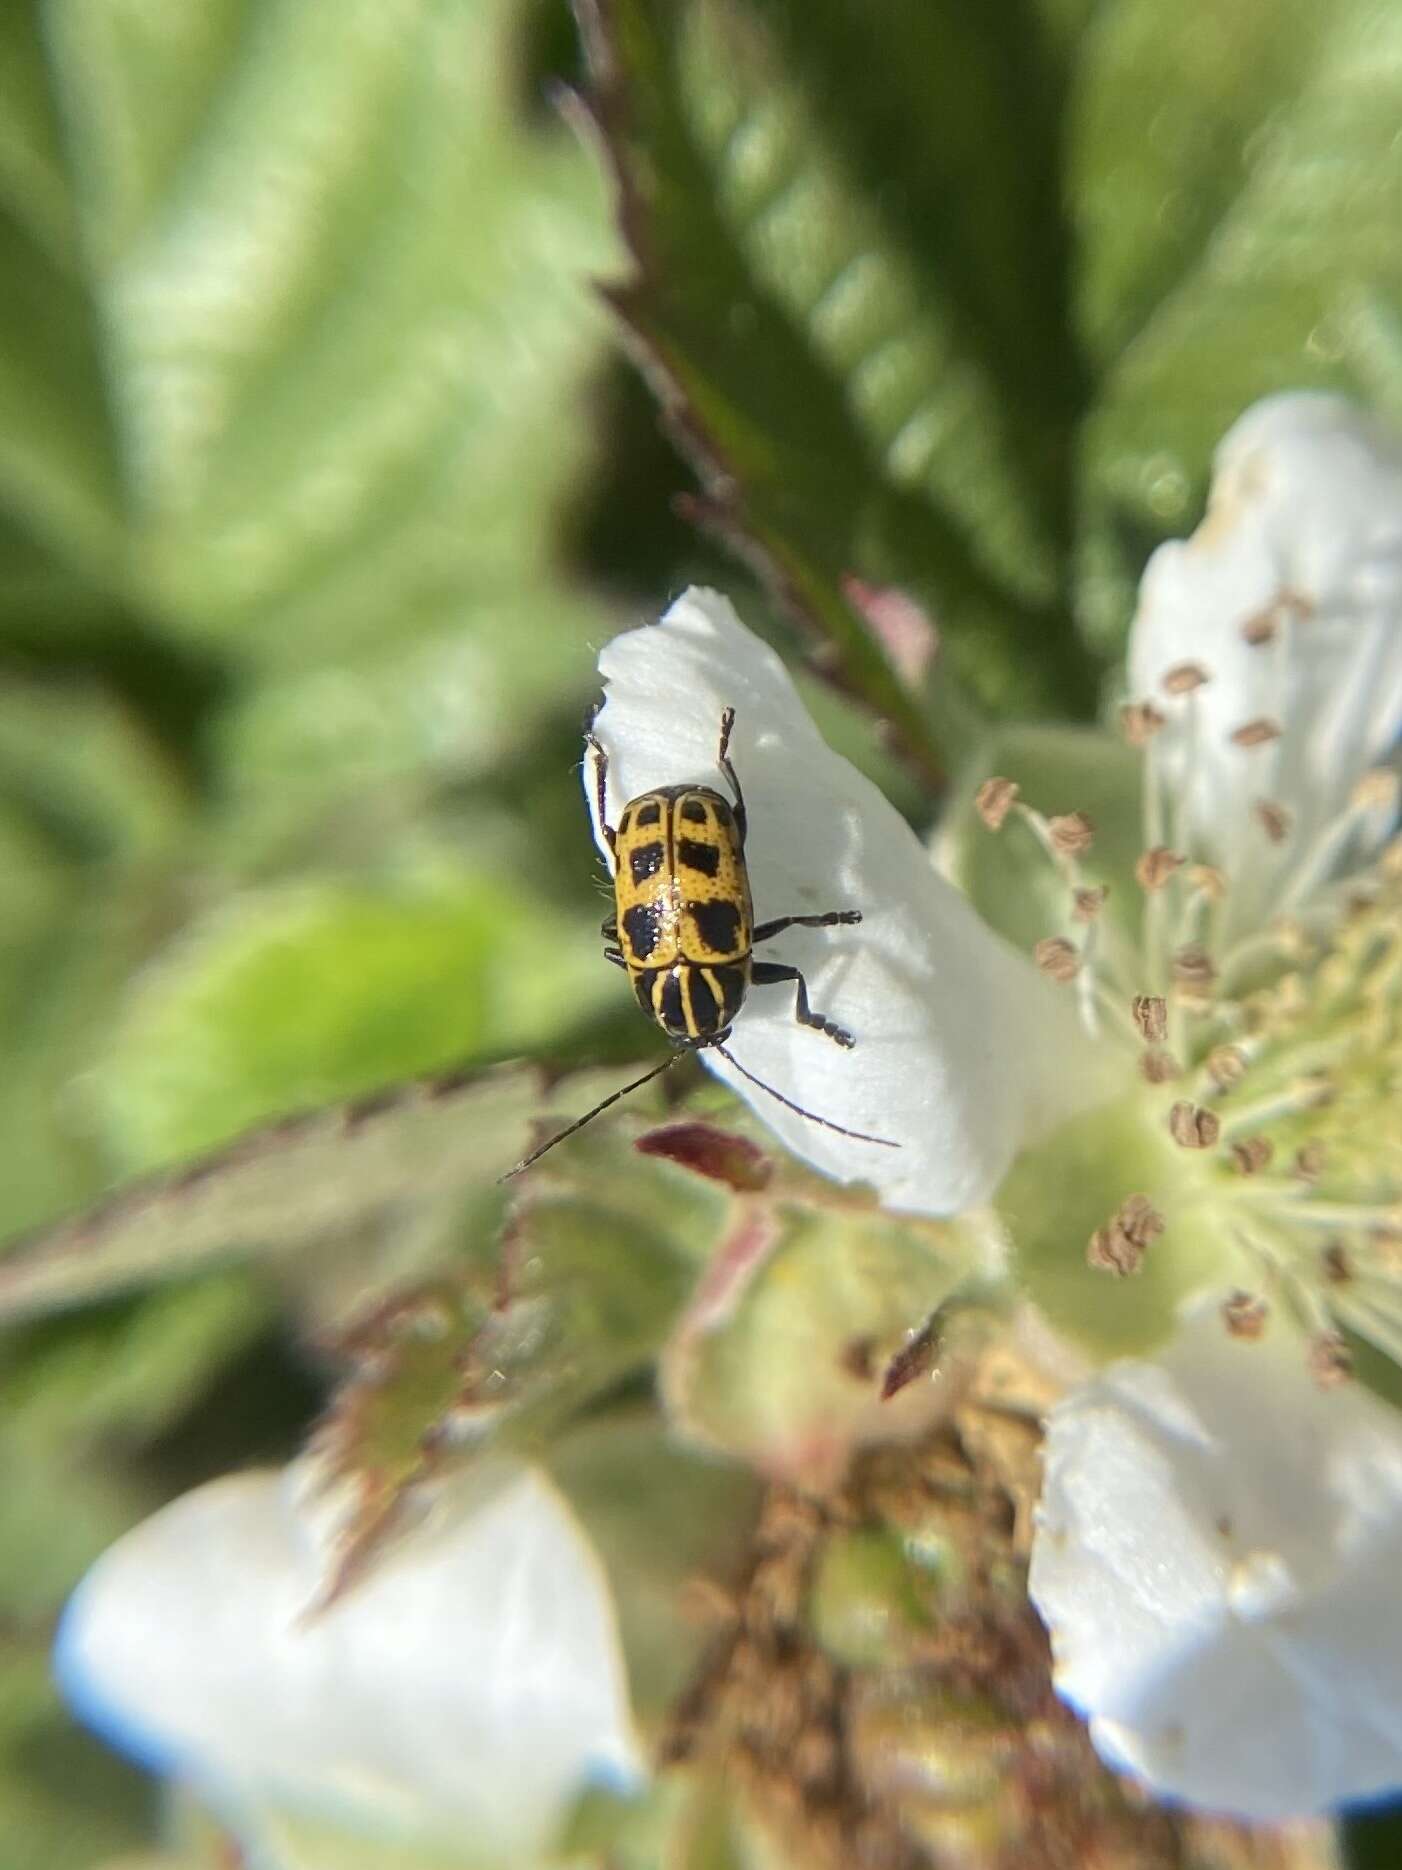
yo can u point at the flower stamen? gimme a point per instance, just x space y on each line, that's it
1376 791
1245 1315
1193 1126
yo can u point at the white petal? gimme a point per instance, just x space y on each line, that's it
470 1684
1218 1558
1306 507
962 1049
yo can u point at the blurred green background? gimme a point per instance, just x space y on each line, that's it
324 474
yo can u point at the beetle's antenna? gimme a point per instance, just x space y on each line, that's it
788 1103
590 1115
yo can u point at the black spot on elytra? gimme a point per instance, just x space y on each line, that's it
648 813
670 1007
717 924
694 812
642 924
645 861
702 857
703 1002
732 984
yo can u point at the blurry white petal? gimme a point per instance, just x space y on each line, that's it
1219 1561
470 1684
962 1050
1303 531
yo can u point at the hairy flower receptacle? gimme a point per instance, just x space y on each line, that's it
1273 1157
1074 1187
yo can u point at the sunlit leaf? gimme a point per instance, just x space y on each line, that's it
1237 184
851 263
279 1188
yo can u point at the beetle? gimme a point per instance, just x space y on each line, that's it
683 927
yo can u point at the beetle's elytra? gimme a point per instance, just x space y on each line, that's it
683 924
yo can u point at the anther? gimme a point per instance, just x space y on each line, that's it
1273 819
1257 733
1058 958
1335 1264
1226 1066
1264 625
1309 1160
1330 1360
1244 1315
1140 721
1119 1247
1154 867
1183 678
1071 833
1192 967
1252 1154
1150 1012
1193 1127
1087 903
994 799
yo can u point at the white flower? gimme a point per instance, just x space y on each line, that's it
961 1048
1220 1542
1288 595
468 1687
1210 1097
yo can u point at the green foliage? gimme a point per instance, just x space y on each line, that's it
294 331
959 299
297 438
578 1296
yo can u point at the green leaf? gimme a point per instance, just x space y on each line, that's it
308 1177
1238 188
290 998
960 299
850 267
289 357
87 817
288 411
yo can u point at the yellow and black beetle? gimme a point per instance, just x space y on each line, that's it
683 925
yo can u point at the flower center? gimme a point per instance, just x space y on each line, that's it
1257 1145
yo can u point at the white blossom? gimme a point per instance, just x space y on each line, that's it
961 1049
1289 598
470 1685
1238 1043
1219 1557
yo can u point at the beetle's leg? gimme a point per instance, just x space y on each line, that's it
616 956
770 973
601 774
828 921
727 721
608 928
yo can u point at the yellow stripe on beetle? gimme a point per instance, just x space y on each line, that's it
683 924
